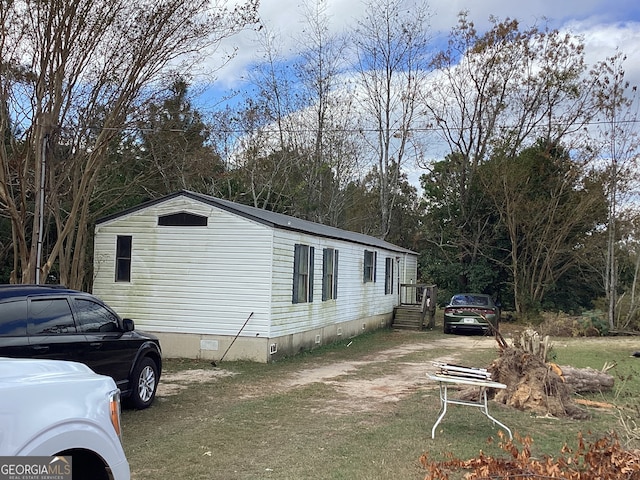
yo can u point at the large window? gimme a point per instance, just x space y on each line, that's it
388 276
123 258
369 266
329 274
303 274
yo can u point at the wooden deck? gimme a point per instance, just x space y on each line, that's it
418 307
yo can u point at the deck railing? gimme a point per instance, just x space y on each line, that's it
421 294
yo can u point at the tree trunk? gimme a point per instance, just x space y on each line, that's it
586 379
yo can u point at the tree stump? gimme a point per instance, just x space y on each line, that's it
532 385
538 386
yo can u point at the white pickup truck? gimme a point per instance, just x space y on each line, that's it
53 408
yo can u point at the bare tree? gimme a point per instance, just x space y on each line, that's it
391 51
258 141
495 94
620 142
296 146
74 75
323 127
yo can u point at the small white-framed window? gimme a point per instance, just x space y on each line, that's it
123 258
388 276
369 266
329 274
303 274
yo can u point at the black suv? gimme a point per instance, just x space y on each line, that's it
54 322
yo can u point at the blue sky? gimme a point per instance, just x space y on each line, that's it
605 26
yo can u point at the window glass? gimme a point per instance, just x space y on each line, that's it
93 317
303 274
388 276
329 274
123 258
369 266
470 300
13 319
51 316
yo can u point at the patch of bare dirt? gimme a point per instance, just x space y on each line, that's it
174 382
373 393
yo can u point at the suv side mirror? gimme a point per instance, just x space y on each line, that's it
127 324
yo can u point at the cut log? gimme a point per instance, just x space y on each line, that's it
593 403
582 380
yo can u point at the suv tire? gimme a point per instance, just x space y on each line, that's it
144 383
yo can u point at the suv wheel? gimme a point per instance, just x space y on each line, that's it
144 383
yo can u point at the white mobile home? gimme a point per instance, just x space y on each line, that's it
214 278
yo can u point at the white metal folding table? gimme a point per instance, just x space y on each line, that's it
445 380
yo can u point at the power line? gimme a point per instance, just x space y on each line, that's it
408 130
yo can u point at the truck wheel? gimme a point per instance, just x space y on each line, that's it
144 383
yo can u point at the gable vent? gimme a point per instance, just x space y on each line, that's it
182 219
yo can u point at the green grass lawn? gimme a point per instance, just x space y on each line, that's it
259 424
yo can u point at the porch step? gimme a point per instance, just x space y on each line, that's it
407 317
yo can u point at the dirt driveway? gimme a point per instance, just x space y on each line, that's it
373 393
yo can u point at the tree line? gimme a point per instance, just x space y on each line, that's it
526 155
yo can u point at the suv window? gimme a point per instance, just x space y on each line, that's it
93 317
51 316
13 321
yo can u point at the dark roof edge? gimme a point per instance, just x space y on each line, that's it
266 217
141 206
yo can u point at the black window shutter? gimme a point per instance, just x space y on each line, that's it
335 274
311 250
324 273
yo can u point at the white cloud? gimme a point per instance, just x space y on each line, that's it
605 25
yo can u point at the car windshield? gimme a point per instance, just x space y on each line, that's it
477 300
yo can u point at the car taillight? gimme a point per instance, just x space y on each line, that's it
114 411
481 311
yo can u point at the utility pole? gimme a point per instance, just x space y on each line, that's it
41 195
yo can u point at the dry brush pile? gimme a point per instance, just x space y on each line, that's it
604 459
543 388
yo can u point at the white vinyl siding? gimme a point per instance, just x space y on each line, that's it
355 300
209 278
191 280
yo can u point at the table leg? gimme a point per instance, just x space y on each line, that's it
443 408
485 410
482 403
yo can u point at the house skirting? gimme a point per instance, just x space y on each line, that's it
260 349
